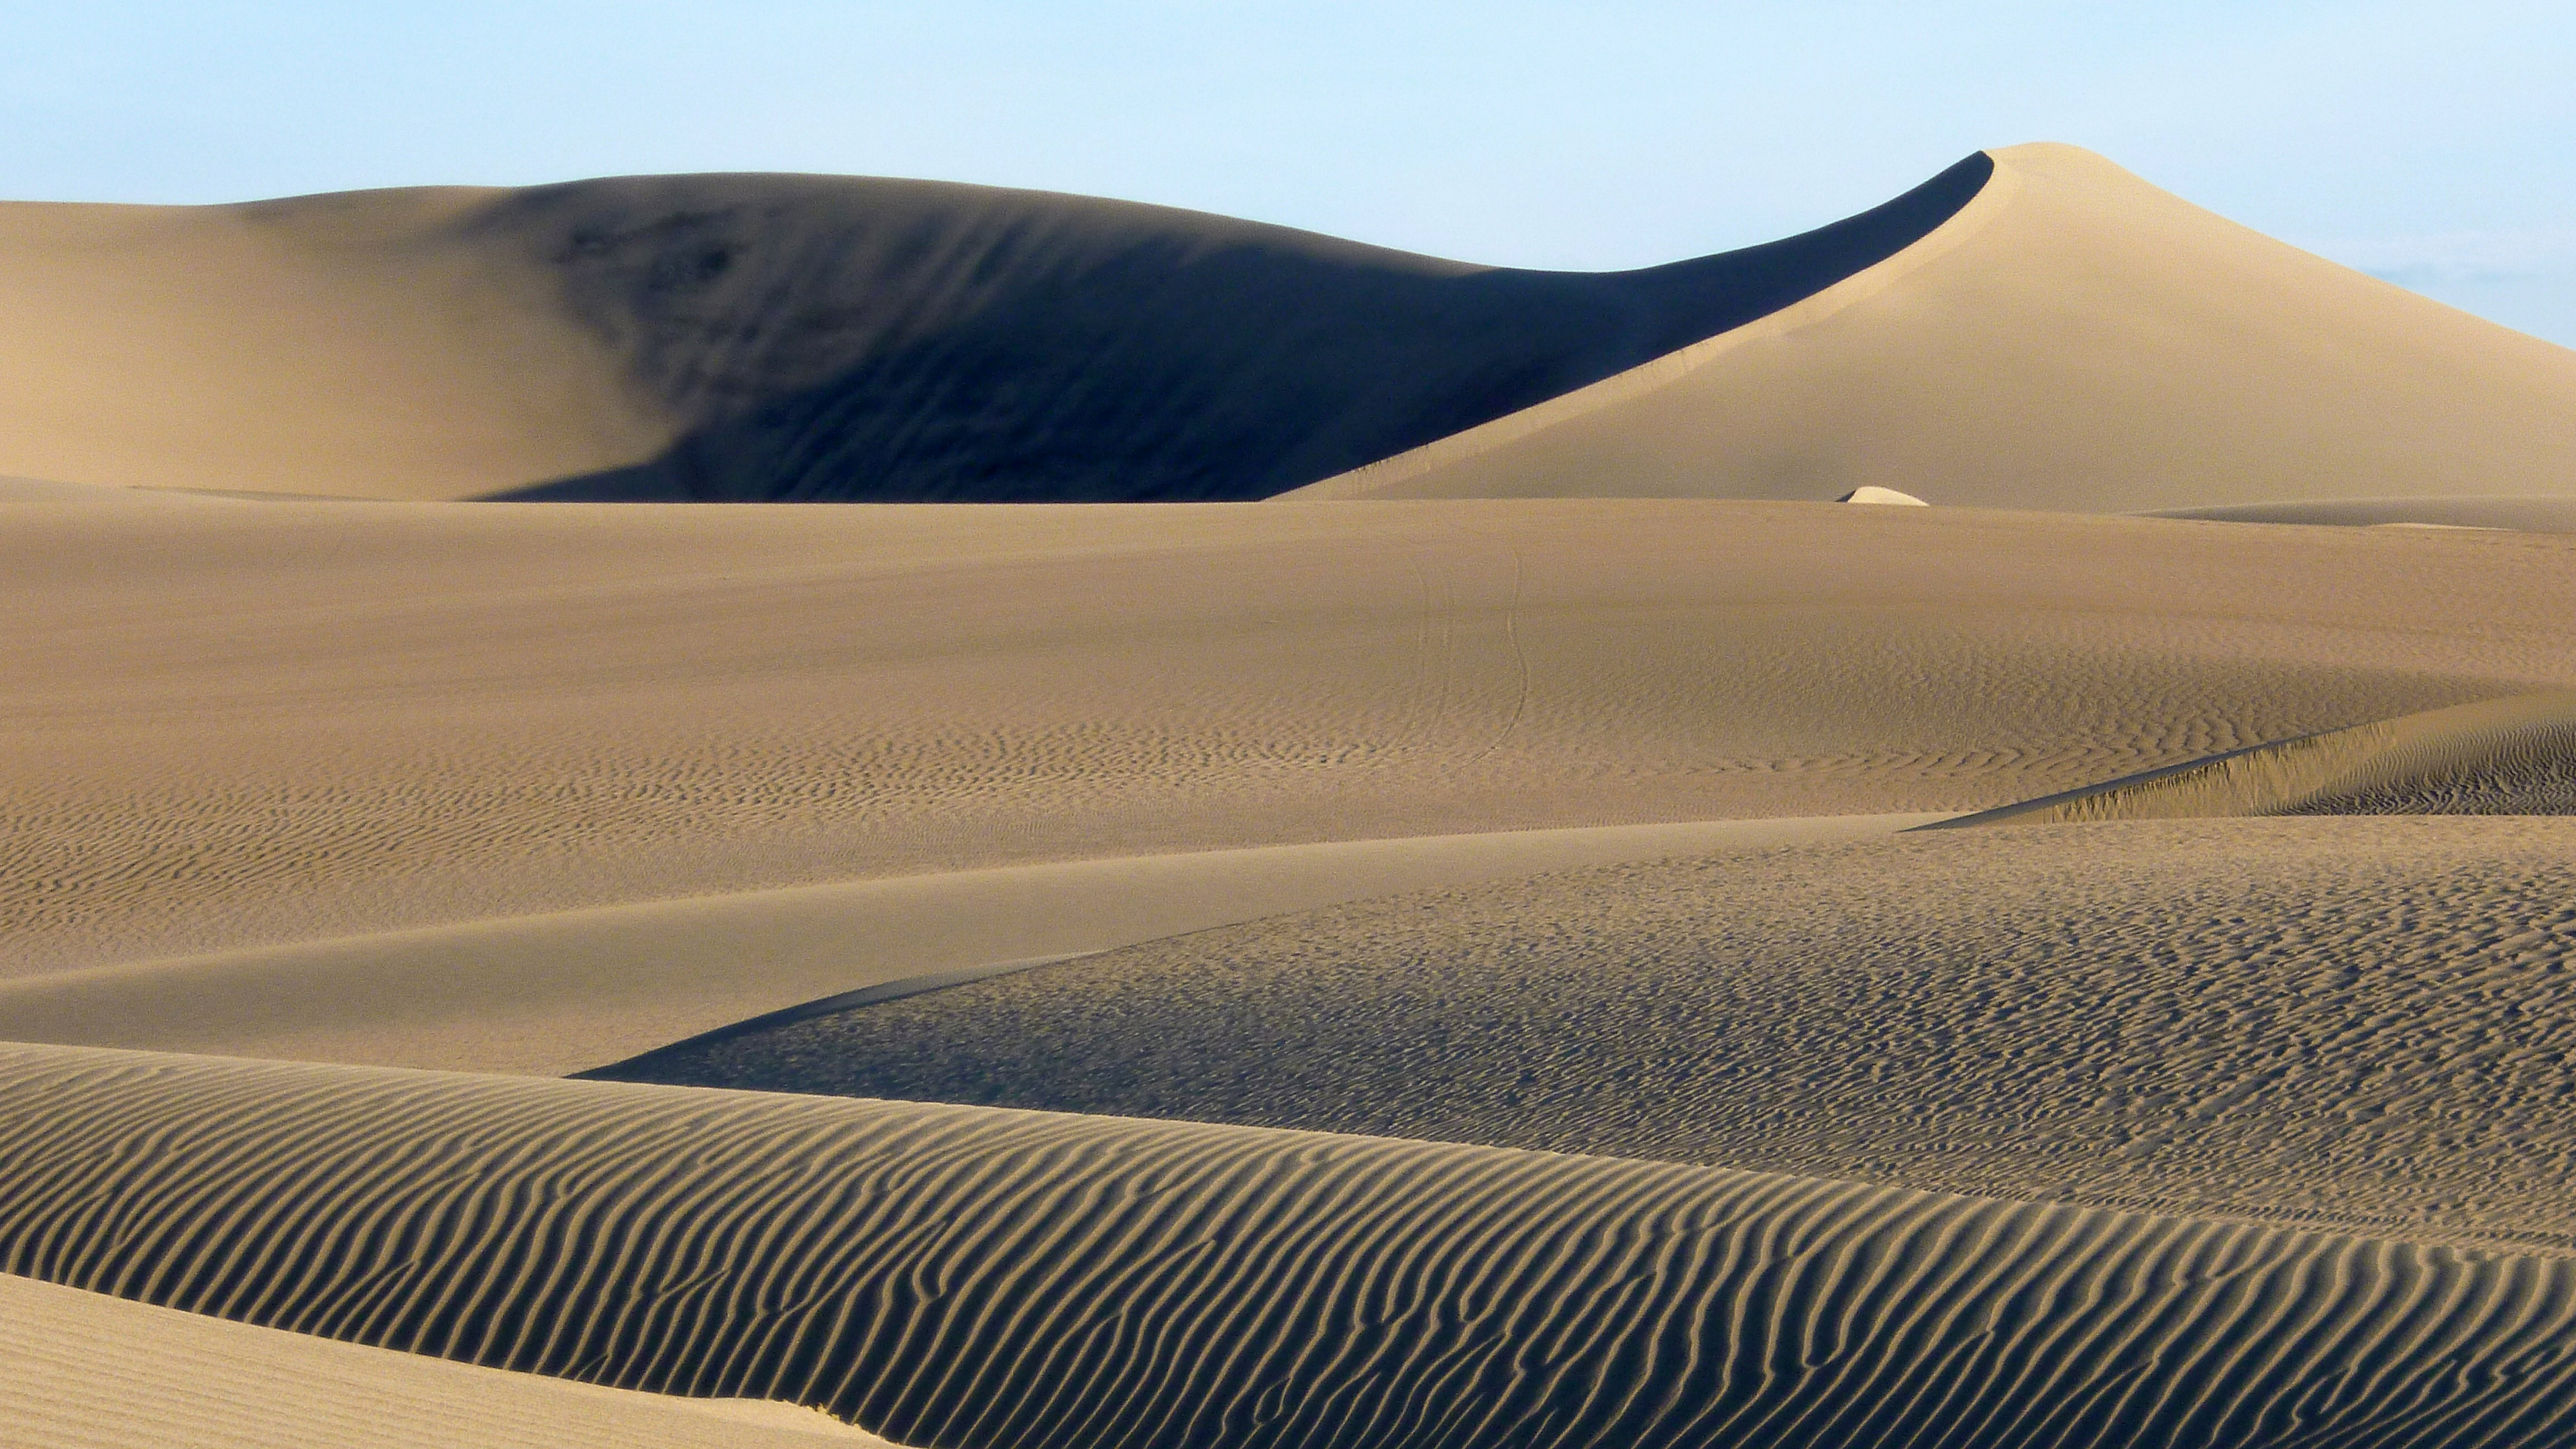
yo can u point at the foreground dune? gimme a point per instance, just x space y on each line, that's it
560 992
239 725
91 1372
2072 338
2349 1021
970 1277
772 337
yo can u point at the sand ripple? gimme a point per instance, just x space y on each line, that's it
969 1277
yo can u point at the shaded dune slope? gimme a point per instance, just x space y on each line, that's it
231 726
804 337
2072 338
974 1279
912 341
2513 756
2360 1022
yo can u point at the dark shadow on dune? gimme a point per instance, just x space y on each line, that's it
830 339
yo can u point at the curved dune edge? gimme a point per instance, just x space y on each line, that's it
2350 1023
2519 514
973 1277
554 993
2073 339
2513 756
86 1371
1387 477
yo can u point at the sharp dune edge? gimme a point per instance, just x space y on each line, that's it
558 993
962 1276
2351 1023
2071 338
772 337
2513 756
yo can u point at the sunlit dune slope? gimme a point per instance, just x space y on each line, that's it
2357 1021
795 337
237 725
2511 756
978 1279
2072 338
86 1371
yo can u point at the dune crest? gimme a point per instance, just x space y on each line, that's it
2072 338
984 1279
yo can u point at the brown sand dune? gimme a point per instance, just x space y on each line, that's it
2511 756
556 993
977 1278
2072 338
769 337
2356 1022
86 1371
233 726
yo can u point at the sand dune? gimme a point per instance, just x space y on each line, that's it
2512 756
236 726
2355 1022
2072 338
86 1371
766 337
2033 328
560 992
970 1277
1459 933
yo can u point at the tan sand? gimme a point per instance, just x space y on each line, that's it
959 1275
553 994
2355 1022
2072 338
86 1371
2511 756
361 344
236 726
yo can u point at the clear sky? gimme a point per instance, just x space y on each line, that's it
2433 144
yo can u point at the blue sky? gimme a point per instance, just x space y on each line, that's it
2431 144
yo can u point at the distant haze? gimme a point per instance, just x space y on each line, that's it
2433 146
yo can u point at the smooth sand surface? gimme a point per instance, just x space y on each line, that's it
770 337
2072 338
87 1371
234 726
2510 756
962 1275
365 344
557 993
2356 1022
